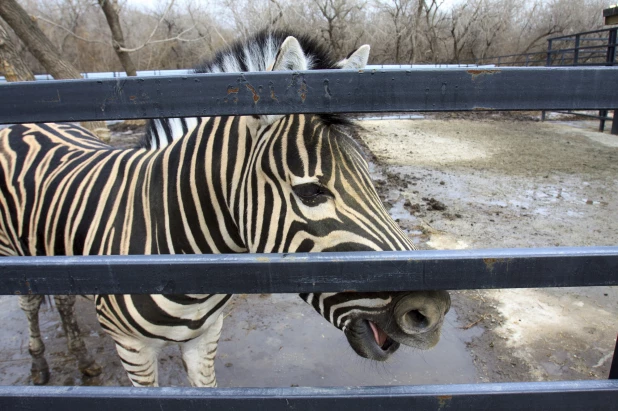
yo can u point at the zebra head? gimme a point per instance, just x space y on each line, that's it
300 183
307 188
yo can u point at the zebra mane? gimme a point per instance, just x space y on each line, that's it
256 53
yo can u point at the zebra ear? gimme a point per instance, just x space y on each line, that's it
356 60
290 56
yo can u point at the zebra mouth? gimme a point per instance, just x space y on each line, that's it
381 338
370 341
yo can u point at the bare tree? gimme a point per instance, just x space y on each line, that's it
463 19
420 5
37 43
337 14
399 13
111 10
180 34
433 20
12 67
44 51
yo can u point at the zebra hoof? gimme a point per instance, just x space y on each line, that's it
91 370
40 377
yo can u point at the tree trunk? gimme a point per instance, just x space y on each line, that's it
110 9
417 29
44 51
12 67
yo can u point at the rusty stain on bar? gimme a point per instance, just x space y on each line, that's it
489 262
477 73
256 96
444 401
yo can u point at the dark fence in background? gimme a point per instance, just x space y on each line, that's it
564 88
589 48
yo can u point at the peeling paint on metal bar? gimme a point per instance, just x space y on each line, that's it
321 91
477 73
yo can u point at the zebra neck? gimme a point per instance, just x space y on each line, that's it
199 176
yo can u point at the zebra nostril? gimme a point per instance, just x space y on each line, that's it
416 320
419 312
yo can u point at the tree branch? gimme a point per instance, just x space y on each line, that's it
176 38
70 32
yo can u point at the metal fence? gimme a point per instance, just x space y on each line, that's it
313 92
589 48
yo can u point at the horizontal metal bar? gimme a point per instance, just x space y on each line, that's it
325 91
560 395
583 33
585 115
512 55
317 272
573 49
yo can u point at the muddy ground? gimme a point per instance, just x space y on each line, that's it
502 181
452 181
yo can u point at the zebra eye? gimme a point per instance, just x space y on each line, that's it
311 192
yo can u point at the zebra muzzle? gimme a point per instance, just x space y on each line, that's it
422 312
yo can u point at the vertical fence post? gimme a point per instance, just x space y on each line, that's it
547 63
576 51
611 47
602 114
610 61
613 370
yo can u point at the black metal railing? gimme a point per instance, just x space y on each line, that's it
569 51
563 88
577 50
589 48
323 91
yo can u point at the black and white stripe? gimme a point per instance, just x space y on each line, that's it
162 131
295 183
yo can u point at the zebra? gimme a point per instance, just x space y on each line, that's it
231 184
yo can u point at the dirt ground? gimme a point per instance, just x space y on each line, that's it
503 181
451 181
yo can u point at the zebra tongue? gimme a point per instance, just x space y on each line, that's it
379 335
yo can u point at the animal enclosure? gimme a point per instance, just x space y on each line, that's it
370 91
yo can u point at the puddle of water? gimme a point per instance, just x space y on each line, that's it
272 341
280 341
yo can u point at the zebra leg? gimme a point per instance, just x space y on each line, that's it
139 361
66 307
30 304
198 356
